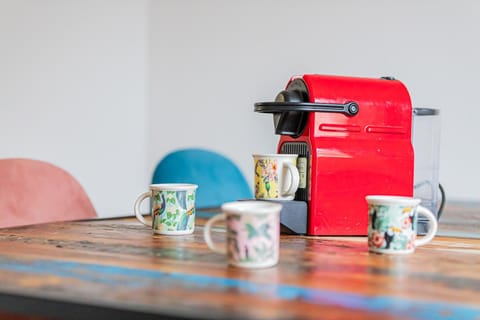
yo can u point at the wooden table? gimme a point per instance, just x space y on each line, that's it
116 269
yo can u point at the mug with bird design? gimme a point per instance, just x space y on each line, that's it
172 208
253 233
392 224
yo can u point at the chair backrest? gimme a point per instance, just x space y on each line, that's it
33 191
219 180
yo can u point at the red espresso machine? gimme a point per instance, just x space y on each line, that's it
353 137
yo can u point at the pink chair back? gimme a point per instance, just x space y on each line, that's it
33 191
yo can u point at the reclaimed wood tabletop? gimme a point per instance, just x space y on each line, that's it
116 268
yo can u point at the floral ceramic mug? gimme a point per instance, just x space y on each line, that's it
172 208
276 176
392 224
253 233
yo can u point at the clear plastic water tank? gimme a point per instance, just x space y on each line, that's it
426 145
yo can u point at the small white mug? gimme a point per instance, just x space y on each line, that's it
253 233
276 176
392 224
172 208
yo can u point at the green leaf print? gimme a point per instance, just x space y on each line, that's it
264 252
251 231
264 230
182 225
267 187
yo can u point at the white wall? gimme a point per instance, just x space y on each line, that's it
211 60
205 75
106 88
72 92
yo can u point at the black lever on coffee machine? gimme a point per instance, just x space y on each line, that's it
290 111
349 108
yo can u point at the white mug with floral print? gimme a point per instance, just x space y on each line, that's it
253 233
172 208
392 224
276 176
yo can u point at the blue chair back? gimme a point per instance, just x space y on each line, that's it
219 180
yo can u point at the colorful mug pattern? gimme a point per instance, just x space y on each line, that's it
173 211
253 239
266 179
392 227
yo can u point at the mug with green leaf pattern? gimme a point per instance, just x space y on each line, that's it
172 208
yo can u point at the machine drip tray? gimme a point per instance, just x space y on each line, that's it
293 216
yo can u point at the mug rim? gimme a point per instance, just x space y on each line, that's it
251 207
173 186
274 155
391 251
392 199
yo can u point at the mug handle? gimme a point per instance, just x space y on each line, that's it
136 207
293 186
207 234
432 226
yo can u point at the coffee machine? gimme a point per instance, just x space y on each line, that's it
353 137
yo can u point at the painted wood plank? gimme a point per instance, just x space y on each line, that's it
133 279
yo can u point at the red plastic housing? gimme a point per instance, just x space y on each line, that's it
354 156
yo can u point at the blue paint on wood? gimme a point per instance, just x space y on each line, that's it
205 214
138 278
